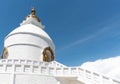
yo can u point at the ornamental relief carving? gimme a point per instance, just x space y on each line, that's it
5 53
48 55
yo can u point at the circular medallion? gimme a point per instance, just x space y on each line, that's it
48 55
5 53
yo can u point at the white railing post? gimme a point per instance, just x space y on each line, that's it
40 70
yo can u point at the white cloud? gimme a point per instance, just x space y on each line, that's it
104 27
109 67
90 37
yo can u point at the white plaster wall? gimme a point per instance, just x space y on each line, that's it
28 38
5 78
24 52
34 79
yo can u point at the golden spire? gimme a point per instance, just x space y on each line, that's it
33 13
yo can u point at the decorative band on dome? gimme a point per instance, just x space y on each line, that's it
24 44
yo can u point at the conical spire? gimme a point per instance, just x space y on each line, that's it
33 13
32 19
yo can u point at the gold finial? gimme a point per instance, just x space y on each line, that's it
33 11
33 14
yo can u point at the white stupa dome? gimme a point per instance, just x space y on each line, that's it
30 28
29 40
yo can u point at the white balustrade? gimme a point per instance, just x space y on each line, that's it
52 69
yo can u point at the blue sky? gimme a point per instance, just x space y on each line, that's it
82 30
